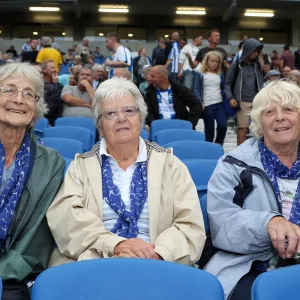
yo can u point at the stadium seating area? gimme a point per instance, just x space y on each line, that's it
172 281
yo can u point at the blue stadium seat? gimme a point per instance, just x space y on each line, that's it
40 126
68 161
65 147
87 123
1 285
201 171
166 136
71 132
144 134
158 125
196 150
279 284
203 204
124 278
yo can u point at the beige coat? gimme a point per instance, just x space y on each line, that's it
175 217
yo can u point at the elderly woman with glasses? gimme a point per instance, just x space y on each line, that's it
126 197
253 196
30 176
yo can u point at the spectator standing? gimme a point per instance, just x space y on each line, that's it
213 37
173 57
52 91
31 56
182 42
99 57
287 58
26 46
297 59
160 55
49 53
169 100
122 56
243 81
138 64
185 71
209 89
78 99
84 50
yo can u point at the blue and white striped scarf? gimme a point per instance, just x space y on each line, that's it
275 168
127 224
11 194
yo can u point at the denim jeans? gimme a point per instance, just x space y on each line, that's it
188 79
211 113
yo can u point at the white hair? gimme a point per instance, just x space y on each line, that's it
46 41
27 71
282 91
116 88
96 67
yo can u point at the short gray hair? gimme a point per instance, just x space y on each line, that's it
96 67
116 88
25 70
282 91
46 41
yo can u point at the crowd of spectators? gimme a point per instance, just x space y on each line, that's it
128 197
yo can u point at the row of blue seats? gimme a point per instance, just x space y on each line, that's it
135 279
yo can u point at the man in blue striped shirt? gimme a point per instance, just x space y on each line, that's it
173 57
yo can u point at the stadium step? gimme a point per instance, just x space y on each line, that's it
230 142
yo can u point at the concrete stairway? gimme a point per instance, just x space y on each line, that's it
230 139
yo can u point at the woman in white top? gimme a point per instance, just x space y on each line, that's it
208 88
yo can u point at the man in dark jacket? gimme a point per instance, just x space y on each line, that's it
52 91
243 81
167 100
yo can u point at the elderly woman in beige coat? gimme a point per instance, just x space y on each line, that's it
126 197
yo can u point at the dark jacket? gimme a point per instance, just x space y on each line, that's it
198 91
234 82
29 242
182 98
135 64
53 100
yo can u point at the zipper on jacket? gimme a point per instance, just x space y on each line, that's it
241 85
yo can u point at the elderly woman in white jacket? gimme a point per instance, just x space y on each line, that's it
126 197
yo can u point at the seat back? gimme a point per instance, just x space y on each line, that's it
279 284
144 134
166 136
201 171
87 123
196 150
133 279
65 147
40 126
68 161
158 125
71 132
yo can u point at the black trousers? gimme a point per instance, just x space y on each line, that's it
242 290
13 290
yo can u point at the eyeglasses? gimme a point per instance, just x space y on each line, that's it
112 113
11 91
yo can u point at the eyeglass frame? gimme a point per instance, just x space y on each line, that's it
118 110
36 97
